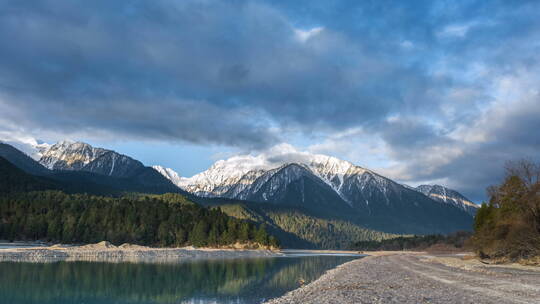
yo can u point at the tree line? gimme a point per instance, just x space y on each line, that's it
156 220
416 242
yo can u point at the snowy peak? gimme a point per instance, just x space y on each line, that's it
227 177
241 176
449 196
170 174
331 166
39 148
68 155
231 177
79 156
294 171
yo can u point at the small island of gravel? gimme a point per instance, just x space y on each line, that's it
107 252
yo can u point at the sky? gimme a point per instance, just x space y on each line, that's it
420 91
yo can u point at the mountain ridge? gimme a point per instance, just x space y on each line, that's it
97 179
373 199
449 196
79 156
218 181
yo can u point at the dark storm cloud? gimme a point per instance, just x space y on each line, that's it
188 57
473 157
241 73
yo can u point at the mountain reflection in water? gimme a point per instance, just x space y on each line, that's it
203 281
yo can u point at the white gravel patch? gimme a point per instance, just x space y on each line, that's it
410 278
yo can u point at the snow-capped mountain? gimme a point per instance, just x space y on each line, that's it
240 177
233 177
449 196
68 155
325 184
78 156
103 171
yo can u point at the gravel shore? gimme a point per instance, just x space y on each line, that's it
420 278
105 252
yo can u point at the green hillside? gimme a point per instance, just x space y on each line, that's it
297 228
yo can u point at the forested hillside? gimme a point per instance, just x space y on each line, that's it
298 228
13 179
454 241
168 220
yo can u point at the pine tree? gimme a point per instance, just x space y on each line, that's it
199 235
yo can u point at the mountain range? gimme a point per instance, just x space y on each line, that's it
329 186
286 192
78 167
242 177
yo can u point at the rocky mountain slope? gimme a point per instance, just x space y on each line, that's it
78 156
449 196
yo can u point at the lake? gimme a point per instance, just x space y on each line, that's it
237 281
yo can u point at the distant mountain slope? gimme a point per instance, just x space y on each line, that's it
129 174
295 185
331 186
21 160
14 179
449 196
297 227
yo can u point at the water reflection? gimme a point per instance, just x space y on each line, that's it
209 281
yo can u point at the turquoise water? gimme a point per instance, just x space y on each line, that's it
239 281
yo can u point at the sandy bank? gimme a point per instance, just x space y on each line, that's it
104 251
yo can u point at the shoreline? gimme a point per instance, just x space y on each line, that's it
106 252
419 277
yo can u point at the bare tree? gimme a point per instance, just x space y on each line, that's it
525 169
529 173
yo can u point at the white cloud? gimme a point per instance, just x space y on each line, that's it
457 30
304 35
406 44
23 142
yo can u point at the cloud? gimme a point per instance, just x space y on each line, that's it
436 90
455 30
304 35
472 155
208 66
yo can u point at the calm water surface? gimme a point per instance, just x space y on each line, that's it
204 281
